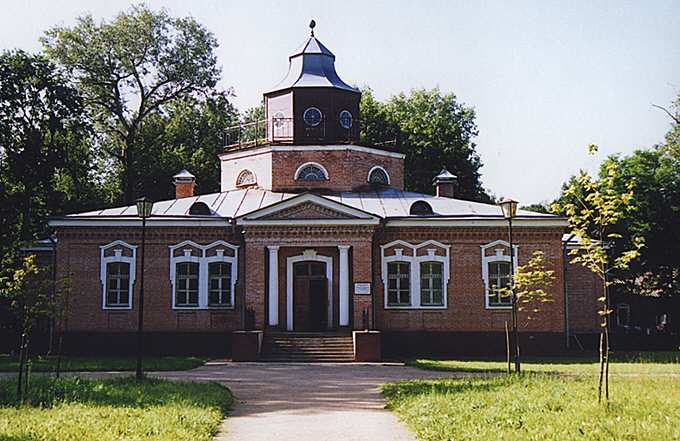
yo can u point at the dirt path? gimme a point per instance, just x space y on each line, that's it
300 402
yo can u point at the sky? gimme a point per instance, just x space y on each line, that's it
546 78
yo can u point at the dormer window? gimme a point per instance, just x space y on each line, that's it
311 171
345 119
421 208
378 175
246 177
312 116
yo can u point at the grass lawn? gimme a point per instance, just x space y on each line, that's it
111 410
624 363
539 405
68 363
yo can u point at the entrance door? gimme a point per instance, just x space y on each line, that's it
310 297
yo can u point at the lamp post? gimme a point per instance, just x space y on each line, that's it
144 207
509 209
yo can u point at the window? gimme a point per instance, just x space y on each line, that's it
219 284
499 279
345 119
431 284
398 284
622 314
203 276
246 177
311 172
379 176
117 274
199 209
186 293
312 116
496 273
420 208
117 284
414 279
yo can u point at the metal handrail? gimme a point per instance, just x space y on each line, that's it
283 130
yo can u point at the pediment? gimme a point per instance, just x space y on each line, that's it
307 210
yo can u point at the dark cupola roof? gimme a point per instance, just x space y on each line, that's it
312 65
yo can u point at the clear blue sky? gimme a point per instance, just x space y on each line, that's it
546 78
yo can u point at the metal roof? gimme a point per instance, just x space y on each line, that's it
312 65
385 203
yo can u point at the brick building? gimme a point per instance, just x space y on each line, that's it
312 234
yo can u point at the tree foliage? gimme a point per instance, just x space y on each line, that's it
130 68
434 130
45 163
532 283
594 208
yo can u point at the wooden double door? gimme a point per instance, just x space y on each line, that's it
310 297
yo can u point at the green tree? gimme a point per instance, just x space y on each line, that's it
130 68
434 130
594 208
45 163
33 296
531 286
189 134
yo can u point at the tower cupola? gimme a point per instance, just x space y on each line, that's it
312 104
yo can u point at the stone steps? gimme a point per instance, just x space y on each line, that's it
307 347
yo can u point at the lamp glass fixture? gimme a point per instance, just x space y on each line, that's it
144 207
508 207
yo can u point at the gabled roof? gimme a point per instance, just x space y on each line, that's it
390 204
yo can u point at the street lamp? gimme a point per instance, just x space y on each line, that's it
144 207
509 209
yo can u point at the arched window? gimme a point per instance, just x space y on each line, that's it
200 209
378 175
420 208
246 177
311 171
312 116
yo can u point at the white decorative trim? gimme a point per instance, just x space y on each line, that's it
273 285
117 257
358 217
101 221
315 164
203 262
414 262
308 255
377 167
303 148
343 285
499 256
476 222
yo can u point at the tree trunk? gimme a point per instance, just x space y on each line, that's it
599 385
21 366
507 345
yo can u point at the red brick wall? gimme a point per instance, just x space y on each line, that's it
347 169
78 257
466 293
583 288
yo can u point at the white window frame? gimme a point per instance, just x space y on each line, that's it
408 253
117 257
377 167
499 256
315 164
193 252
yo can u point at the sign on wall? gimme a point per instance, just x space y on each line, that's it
362 288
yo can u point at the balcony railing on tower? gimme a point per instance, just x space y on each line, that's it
289 130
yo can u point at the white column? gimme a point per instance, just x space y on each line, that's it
344 285
273 285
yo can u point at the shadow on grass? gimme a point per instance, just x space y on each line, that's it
118 392
69 363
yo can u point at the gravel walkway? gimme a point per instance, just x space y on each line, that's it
300 402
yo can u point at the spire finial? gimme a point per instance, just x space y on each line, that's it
312 25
